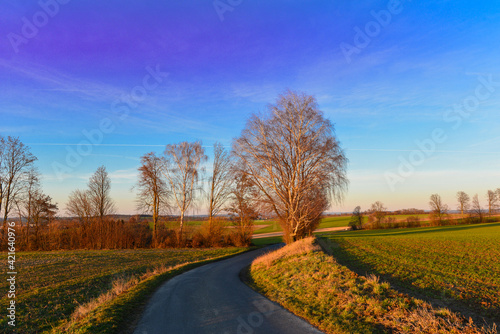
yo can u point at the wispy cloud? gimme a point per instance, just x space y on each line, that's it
124 176
51 79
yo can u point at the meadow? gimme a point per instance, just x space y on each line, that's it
313 285
273 226
455 266
52 285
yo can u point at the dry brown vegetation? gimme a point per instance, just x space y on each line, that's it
119 286
304 246
109 233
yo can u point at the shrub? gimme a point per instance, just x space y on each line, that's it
413 221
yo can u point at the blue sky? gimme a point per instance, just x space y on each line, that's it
68 68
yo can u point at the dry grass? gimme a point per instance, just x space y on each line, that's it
118 286
314 286
303 246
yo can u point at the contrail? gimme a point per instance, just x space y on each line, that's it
347 149
438 151
109 145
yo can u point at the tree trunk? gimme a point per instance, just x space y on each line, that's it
181 226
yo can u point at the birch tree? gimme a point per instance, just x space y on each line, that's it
153 191
292 156
182 169
219 183
32 191
15 162
492 198
463 202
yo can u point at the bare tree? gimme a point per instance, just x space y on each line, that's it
243 205
182 168
439 210
153 191
292 156
27 201
220 182
15 161
99 189
477 210
463 202
79 205
497 191
492 198
377 213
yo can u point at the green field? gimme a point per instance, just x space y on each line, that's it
458 265
273 226
314 286
267 241
50 285
340 221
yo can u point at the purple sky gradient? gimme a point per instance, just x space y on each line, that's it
394 93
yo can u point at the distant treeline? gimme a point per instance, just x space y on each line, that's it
471 212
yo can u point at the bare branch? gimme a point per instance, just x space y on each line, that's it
182 166
99 188
15 162
463 202
293 158
220 182
153 192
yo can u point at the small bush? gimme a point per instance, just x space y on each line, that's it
413 221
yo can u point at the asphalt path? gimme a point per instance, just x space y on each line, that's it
212 299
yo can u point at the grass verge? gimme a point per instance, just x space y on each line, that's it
313 285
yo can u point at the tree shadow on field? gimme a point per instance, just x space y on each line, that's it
418 230
437 297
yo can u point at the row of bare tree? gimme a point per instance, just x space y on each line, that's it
471 208
471 211
287 162
465 204
20 189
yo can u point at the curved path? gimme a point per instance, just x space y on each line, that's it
212 299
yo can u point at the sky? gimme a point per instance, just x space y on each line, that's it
412 87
